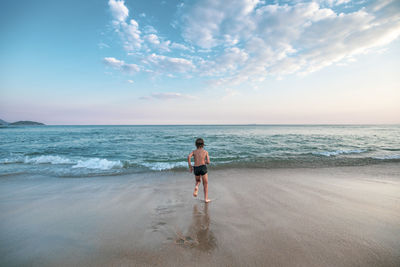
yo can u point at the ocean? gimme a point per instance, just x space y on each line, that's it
83 151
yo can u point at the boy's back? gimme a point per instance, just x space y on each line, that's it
200 156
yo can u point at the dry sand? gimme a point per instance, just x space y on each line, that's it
347 216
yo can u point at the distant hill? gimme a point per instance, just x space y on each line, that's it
26 123
18 123
3 122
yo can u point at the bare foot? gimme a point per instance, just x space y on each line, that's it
196 190
207 200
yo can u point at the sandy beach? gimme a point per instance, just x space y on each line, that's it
343 216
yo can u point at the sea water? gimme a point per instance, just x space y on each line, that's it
80 151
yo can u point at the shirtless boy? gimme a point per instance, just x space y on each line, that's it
201 158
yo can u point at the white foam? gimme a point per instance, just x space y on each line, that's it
338 152
387 157
48 159
96 163
92 163
161 166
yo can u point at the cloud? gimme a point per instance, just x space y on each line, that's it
169 64
128 30
118 10
153 39
250 40
230 60
167 96
121 65
335 2
113 62
237 41
130 68
156 43
131 35
180 46
209 22
137 44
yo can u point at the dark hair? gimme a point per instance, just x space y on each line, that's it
199 142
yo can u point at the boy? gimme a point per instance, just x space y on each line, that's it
201 158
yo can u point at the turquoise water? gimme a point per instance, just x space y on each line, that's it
112 150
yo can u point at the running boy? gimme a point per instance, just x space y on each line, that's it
201 158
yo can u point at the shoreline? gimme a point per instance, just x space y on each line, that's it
341 216
374 163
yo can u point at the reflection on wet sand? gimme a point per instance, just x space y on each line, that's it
198 235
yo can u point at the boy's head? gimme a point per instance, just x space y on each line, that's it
199 143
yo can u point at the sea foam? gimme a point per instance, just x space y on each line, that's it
338 152
48 159
96 163
162 166
91 163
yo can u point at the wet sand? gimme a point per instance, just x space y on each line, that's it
345 216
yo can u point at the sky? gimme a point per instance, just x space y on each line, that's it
200 62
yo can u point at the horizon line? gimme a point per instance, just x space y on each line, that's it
221 124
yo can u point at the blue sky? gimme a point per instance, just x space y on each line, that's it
193 62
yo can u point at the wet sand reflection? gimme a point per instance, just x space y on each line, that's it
199 235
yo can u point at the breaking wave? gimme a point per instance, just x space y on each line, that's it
162 166
91 163
48 159
339 152
101 164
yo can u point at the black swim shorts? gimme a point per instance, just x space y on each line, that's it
200 170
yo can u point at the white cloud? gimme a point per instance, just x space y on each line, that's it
156 43
335 2
113 62
130 68
133 41
118 10
131 35
121 65
180 46
128 30
169 64
231 59
280 39
207 21
236 41
378 5
153 39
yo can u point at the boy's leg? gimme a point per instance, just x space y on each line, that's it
205 185
196 188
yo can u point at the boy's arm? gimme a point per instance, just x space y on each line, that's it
207 158
189 162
